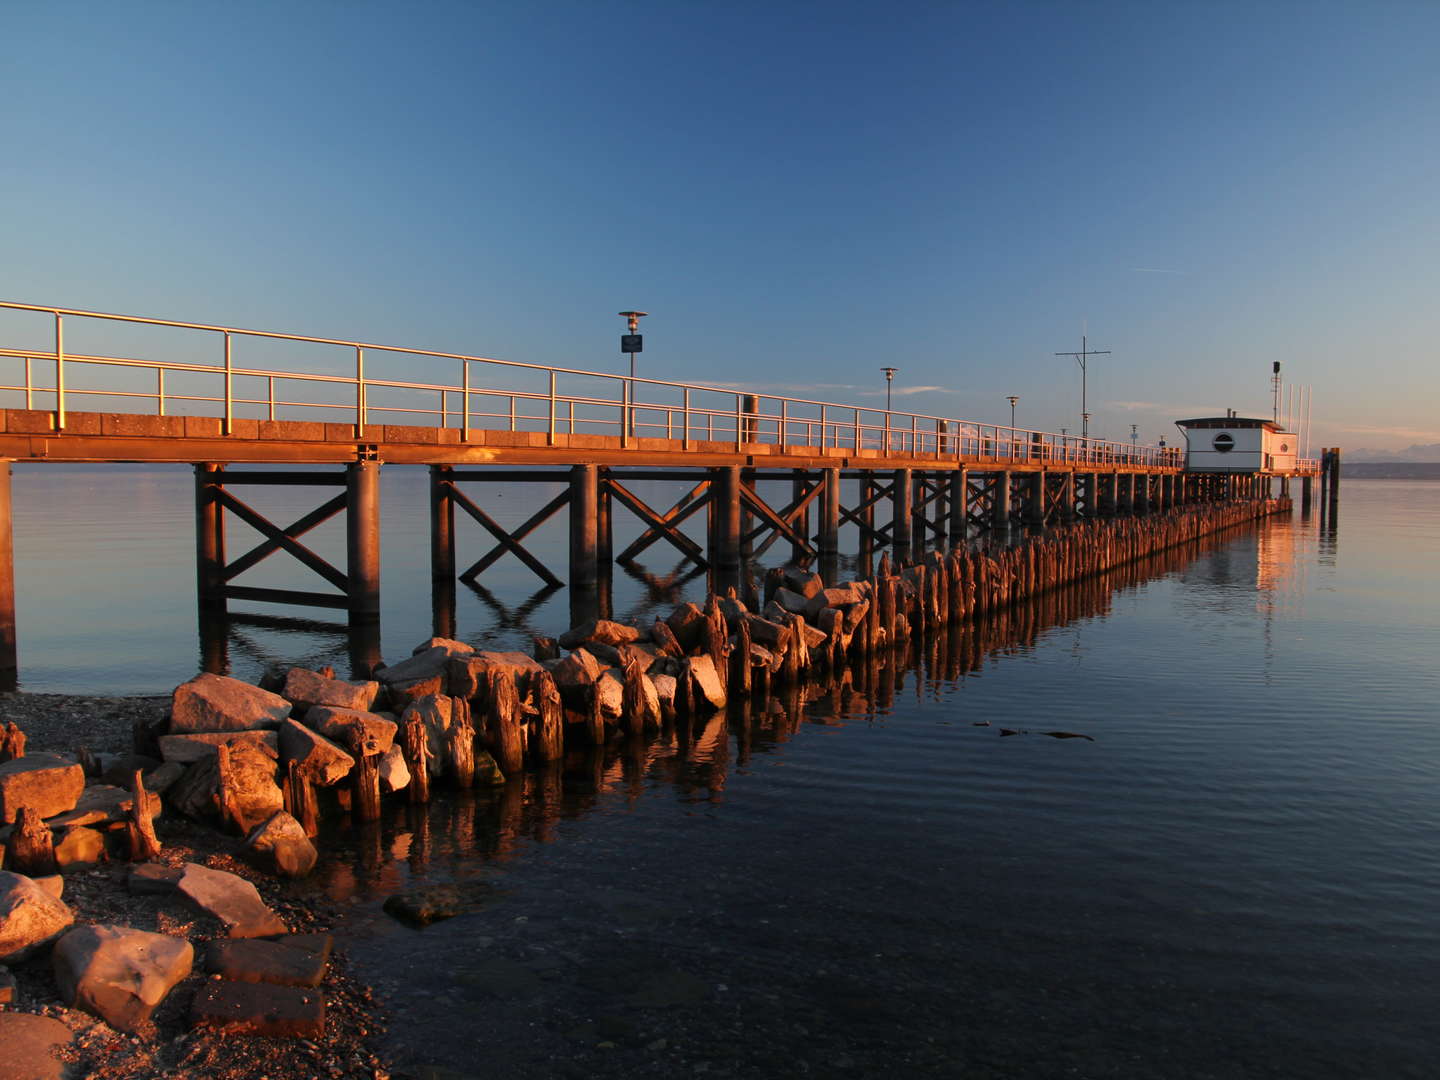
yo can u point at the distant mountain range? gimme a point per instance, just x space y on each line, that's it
1389 470
1430 452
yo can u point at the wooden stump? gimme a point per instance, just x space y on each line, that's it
300 799
639 712
548 739
226 797
139 828
462 745
414 745
12 743
30 849
665 639
546 648
740 660
506 726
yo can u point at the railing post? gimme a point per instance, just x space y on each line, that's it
550 434
858 429
739 434
512 412
59 372
784 419
230 390
29 382
359 392
465 400
160 389
270 388
627 419
885 451
685 435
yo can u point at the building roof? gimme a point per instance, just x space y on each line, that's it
1229 422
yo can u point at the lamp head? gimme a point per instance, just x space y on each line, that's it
634 317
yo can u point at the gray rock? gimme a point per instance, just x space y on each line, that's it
610 689
118 769
257 795
193 746
805 582
30 1043
431 663
231 899
295 960
30 917
219 703
685 622
280 846
153 879
394 772
101 804
54 884
791 601
836 597
163 778
707 680
436 712
341 725
665 689
601 630
319 758
450 645
469 674
306 689
766 632
48 783
117 973
575 675
275 1011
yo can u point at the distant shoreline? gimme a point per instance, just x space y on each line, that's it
1389 470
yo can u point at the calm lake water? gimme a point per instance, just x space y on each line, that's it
1238 877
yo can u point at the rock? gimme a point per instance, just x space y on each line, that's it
834 597
295 960
575 675
231 899
431 903
219 703
437 712
252 773
853 613
306 689
394 773
153 879
54 884
118 769
319 758
163 778
642 653
685 623
30 1043
30 918
280 846
610 689
79 848
790 601
664 689
117 973
101 804
601 630
469 674
732 609
8 989
430 664
707 681
487 770
189 748
450 645
805 582
608 655
768 633
813 636
259 1009
49 783
339 726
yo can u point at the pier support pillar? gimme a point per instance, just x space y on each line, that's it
829 519
584 526
209 539
362 540
9 665
1307 491
442 551
959 512
1035 510
1067 498
799 481
1142 493
726 484
1000 511
901 522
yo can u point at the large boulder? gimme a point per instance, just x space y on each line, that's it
47 783
610 689
193 746
394 772
219 703
805 582
685 623
306 689
252 775
791 601
231 899
838 596
429 664
469 674
341 726
574 677
30 917
280 846
295 960
706 680
117 973
601 630
319 758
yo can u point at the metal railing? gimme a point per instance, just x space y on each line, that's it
506 395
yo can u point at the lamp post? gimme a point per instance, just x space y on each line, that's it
1082 358
1012 398
889 378
632 343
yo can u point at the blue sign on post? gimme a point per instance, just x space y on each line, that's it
632 343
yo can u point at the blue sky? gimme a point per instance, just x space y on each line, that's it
799 193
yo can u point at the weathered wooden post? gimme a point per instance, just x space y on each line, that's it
725 552
1067 497
442 551
1000 511
209 538
799 482
362 540
902 524
830 514
584 529
959 487
1334 472
1035 511
9 664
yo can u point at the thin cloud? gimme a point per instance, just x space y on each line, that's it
1153 270
1414 434
907 391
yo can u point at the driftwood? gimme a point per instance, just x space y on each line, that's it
507 730
415 745
639 710
139 828
12 743
30 849
548 733
740 660
300 800
461 739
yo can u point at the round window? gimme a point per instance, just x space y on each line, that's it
1223 443
1284 448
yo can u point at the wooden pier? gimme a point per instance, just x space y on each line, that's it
762 470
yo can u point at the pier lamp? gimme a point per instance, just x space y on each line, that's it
632 343
1012 398
889 378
